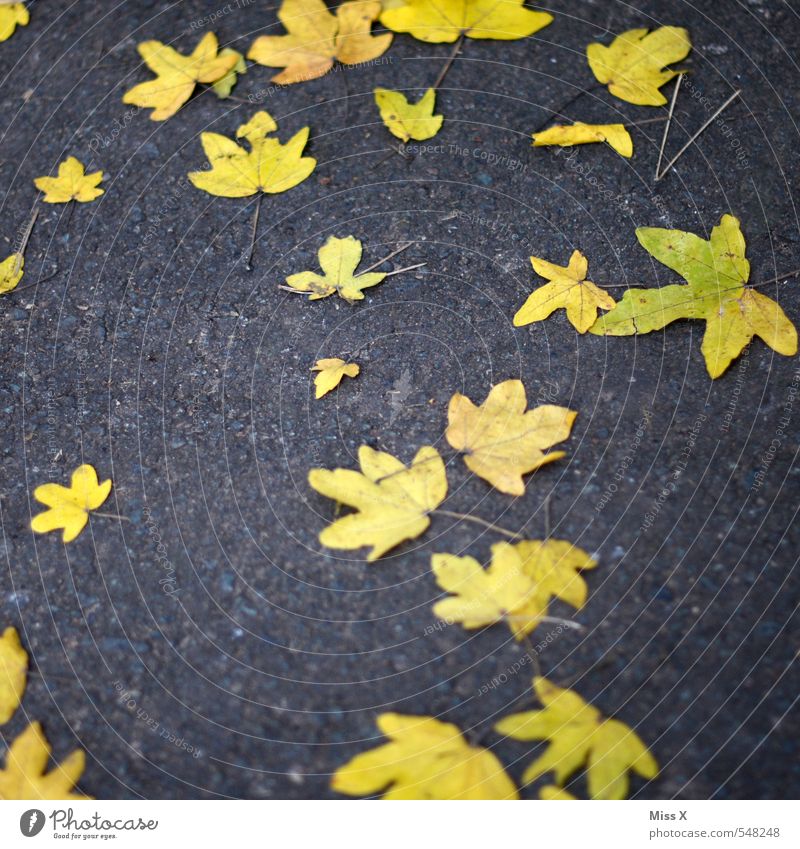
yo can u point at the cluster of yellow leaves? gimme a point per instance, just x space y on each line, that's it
516 588
408 120
269 166
716 270
316 39
568 289
11 270
425 759
501 439
178 75
615 135
12 15
392 501
338 259
70 506
24 775
447 20
331 373
72 183
633 66
579 736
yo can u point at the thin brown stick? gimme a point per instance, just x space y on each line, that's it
465 517
109 516
392 255
20 251
449 63
249 264
697 135
669 124
407 268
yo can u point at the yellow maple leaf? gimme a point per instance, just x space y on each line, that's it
568 289
408 120
615 135
12 15
579 736
716 271
447 20
425 759
338 259
13 673
24 776
392 501
331 373
634 65
316 39
11 270
501 440
178 75
224 85
70 506
269 166
72 183
516 588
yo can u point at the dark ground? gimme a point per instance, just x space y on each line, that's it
148 350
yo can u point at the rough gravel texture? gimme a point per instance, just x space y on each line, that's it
208 646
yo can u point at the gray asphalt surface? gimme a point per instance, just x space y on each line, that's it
242 659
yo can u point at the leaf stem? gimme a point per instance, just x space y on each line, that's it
465 517
550 620
393 254
407 268
449 63
109 516
249 264
20 251
559 113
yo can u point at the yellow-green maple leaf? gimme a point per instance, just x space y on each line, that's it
11 271
716 271
72 183
501 440
224 85
25 776
13 673
269 166
12 15
408 120
614 135
338 259
579 736
516 588
425 759
178 75
568 289
633 66
332 371
316 39
392 501
70 506
447 20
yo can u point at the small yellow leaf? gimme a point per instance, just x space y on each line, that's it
24 776
552 793
425 759
316 39
11 270
568 289
716 271
338 259
501 440
224 85
178 75
72 183
331 373
516 588
634 65
447 20
70 506
269 166
579 736
615 135
392 501
408 120
12 15
13 673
